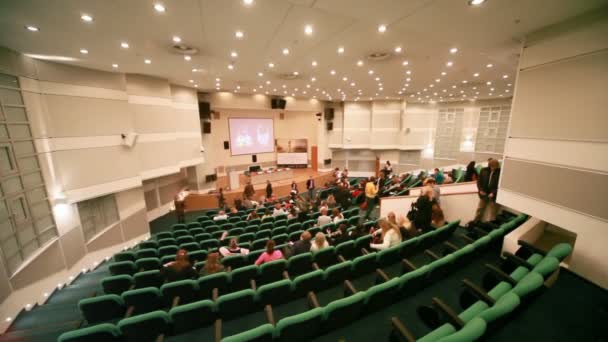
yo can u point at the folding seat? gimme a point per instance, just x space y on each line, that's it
255 222
389 256
192 316
241 224
294 227
463 255
362 242
308 223
116 284
367 225
295 236
203 218
364 264
240 278
440 267
278 231
252 229
163 235
180 233
291 221
122 267
354 220
102 308
236 231
104 332
198 255
146 253
190 246
144 327
280 239
212 229
184 239
143 300
410 247
504 306
195 231
226 226
261 333
314 216
271 271
325 257
267 225
275 293
300 328
380 296
246 245
210 244
124 256
259 244
311 281
560 251
202 237
330 226
218 234
299 264
347 250
314 230
211 212
147 264
151 278
247 237
219 281
337 273
234 261
193 225
148 244
167 259
234 219
178 226
343 311
413 281
280 222
167 242
254 254
235 304
186 290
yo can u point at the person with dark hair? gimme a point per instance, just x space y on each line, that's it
487 185
270 254
388 169
233 249
249 191
300 246
253 215
310 186
420 215
439 177
212 265
470 174
221 200
268 189
294 187
340 235
437 218
180 269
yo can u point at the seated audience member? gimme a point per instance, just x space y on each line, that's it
270 254
253 215
324 218
323 205
278 210
391 236
267 213
404 227
420 215
437 218
300 246
247 203
340 235
319 243
220 216
358 232
180 269
470 174
233 249
293 213
342 196
439 177
337 215
212 265
234 211
331 201
432 183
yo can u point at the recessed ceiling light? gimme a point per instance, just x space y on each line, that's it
176 39
217 85
84 51
398 49
382 28
271 65
489 65
476 2
333 72
124 45
187 57
260 74
191 81
405 63
465 81
159 7
505 76
314 63
233 54
344 78
247 2
508 85
312 79
32 28
114 65
308 29
437 80
476 74
377 78
371 72
443 73
453 50
286 51
488 83
231 66
449 64
86 18
341 50
295 73
409 72
239 34
147 61
359 63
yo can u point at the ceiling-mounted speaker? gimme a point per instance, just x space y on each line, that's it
282 116
254 158
278 103
330 126
216 115
206 127
204 110
129 139
329 114
226 145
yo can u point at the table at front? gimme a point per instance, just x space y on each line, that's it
260 178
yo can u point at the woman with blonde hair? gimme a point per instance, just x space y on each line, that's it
212 265
391 236
319 243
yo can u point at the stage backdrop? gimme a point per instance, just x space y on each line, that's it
292 152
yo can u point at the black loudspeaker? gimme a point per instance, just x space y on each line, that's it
204 110
226 145
254 158
277 103
330 126
206 127
329 114
327 161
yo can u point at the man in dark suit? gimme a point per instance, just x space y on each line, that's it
342 196
249 191
268 189
487 185
310 186
300 246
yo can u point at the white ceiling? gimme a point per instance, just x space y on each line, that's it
425 29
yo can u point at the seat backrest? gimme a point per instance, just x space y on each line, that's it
280 239
207 283
124 256
325 257
310 281
236 304
116 284
190 246
364 264
261 333
184 239
504 306
472 331
122 267
240 278
168 250
299 264
192 316
147 264
560 251
167 242
100 332
346 249
163 235
143 300
259 243
529 284
413 281
300 327
144 327
547 266
337 273
389 256
271 271
381 295
345 310
234 261
146 253
187 290
102 308
275 293
151 278
198 255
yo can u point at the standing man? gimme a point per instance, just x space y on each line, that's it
180 205
249 191
370 196
268 190
310 185
487 185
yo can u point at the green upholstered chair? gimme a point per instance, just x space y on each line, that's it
310 281
364 264
235 304
186 290
122 267
343 311
192 316
234 261
299 264
381 295
470 332
325 257
146 253
102 308
206 284
301 327
116 284
275 293
240 278
145 327
124 256
143 300
104 332
271 271
151 278
337 273
147 264
167 250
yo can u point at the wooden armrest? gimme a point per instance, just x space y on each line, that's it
451 246
315 266
215 293
217 331
349 288
479 231
285 275
160 338
253 284
229 269
175 301
517 260
129 312
431 254
531 248
341 258
269 314
313 302
400 329
364 251
466 238
381 275
500 274
408 265
451 316
478 292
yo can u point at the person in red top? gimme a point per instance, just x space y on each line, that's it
270 255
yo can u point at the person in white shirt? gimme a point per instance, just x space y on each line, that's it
324 218
391 236
220 216
233 249
319 243
278 210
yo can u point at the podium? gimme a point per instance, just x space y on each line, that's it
233 179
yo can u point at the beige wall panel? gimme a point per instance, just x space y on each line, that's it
130 201
565 187
5 287
87 167
45 264
110 237
190 148
379 138
156 154
386 120
142 85
16 64
225 100
184 94
167 192
565 100
153 118
72 244
135 225
68 74
186 120
37 114
151 200
71 116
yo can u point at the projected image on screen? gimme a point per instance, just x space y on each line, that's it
251 136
